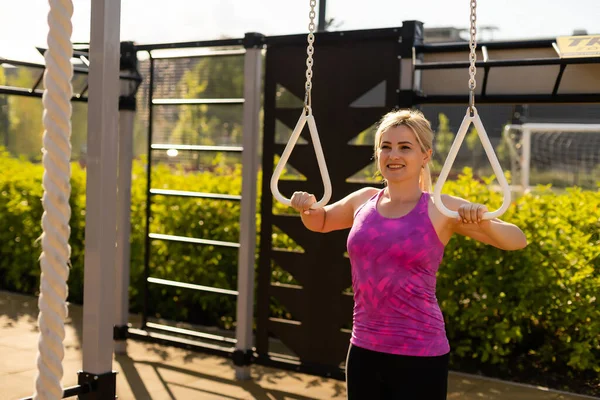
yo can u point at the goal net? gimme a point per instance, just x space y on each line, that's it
562 155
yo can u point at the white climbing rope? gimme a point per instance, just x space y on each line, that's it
57 212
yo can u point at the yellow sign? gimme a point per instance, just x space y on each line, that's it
579 46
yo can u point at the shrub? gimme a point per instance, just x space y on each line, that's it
540 302
536 306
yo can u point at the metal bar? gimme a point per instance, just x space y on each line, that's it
484 51
486 75
77 70
263 297
197 195
323 37
464 46
560 127
147 243
322 12
224 149
190 332
183 285
279 361
335 37
556 49
36 65
184 239
558 79
37 83
82 52
12 90
101 188
182 45
286 285
507 63
285 321
123 247
216 53
178 102
179 342
85 89
77 390
510 99
71 391
250 166
23 64
85 60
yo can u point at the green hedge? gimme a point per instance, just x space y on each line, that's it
534 307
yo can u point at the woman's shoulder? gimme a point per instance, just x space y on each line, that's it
362 196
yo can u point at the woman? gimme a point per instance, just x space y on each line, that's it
399 348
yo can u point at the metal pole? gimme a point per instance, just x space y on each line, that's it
101 195
410 79
147 242
250 164
126 120
322 14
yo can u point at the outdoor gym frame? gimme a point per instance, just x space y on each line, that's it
413 73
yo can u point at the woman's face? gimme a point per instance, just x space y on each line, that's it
399 155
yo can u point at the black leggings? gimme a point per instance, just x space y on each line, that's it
372 375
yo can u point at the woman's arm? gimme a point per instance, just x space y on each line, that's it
336 216
495 232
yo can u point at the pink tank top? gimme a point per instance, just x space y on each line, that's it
394 264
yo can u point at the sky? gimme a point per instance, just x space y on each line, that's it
23 23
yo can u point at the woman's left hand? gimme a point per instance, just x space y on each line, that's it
471 213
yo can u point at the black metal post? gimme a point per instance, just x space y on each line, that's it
148 196
127 103
412 36
129 65
322 12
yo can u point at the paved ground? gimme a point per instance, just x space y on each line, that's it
157 372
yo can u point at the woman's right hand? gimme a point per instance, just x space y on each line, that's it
302 201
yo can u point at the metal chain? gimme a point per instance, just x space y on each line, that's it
310 51
473 55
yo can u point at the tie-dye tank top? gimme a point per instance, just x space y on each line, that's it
394 264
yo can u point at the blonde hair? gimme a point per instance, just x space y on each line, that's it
416 121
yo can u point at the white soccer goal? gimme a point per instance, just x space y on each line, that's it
551 153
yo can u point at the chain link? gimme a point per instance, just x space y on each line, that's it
310 51
473 54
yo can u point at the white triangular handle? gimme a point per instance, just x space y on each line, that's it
489 150
304 118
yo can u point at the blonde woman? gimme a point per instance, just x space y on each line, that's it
399 348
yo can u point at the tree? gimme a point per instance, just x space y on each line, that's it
211 77
4 121
443 141
332 24
78 130
475 147
219 124
21 124
25 118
